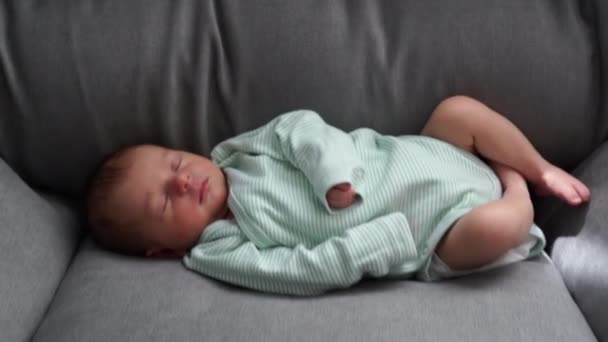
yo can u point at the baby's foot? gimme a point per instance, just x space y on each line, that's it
557 182
509 177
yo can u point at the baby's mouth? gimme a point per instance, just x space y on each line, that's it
204 189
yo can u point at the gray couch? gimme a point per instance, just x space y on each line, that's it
79 79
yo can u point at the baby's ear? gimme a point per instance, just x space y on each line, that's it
164 253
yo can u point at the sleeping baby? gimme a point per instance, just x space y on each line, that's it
300 207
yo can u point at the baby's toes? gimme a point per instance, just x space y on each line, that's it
582 190
574 199
571 195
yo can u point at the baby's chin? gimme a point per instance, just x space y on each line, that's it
224 212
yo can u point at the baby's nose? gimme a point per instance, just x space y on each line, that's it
182 182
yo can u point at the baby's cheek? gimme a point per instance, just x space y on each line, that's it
190 221
188 235
217 201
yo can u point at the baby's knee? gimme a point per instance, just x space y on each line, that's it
458 110
457 104
454 122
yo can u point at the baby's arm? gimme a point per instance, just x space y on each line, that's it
325 155
372 248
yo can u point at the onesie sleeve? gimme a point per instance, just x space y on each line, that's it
325 154
371 249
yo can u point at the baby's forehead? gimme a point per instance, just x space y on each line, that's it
144 156
147 150
143 173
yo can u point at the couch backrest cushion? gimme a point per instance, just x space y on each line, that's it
81 79
595 12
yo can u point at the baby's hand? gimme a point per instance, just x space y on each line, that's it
340 196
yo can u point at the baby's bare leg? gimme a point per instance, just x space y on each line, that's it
470 124
487 232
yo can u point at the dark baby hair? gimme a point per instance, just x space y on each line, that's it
108 226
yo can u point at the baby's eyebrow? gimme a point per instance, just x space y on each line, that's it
166 158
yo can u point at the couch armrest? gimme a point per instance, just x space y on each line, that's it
579 238
38 237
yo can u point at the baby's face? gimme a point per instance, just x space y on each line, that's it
174 195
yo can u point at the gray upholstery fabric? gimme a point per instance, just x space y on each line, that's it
79 79
38 239
595 13
85 77
106 297
580 250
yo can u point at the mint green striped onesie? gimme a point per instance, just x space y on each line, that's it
285 238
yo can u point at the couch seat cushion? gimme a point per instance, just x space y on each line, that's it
107 297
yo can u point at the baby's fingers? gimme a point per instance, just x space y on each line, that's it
342 187
337 198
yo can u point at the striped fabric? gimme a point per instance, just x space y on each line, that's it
285 238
